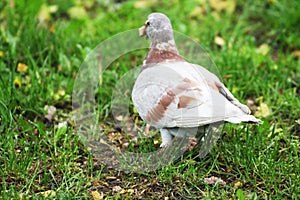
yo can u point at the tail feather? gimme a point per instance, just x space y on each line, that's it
244 118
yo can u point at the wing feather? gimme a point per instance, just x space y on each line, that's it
185 95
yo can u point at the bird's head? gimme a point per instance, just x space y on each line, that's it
157 28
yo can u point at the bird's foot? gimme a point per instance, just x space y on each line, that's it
166 138
192 143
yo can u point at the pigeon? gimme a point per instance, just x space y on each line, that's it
172 94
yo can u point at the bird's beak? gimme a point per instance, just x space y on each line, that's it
142 31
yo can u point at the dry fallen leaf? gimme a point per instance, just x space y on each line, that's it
77 12
297 54
216 15
51 110
238 184
62 124
119 118
52 28
227 77
116 188
197 12
263 109
45 12
48 193
59 94
110 178
263 49
214 180
220 5
130 191
144 3
97 196
276 131
219 41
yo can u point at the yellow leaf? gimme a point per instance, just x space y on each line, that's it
61 92
131 191
45 12
262 110
230 6
219 41
96 195
56 96
1 54
77 12
297 54
235 90
144 3
22 67
216 16
263 49
223 5
52 28
197 12
238 184
48 193
276 131
275 67
17 82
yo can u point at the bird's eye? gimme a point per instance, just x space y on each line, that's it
148 23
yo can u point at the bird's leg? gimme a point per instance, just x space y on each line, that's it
166 137
147 128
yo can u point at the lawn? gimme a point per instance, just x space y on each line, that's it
254 45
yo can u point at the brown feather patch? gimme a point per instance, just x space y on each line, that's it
159 56
166 99
184 101
157 113
188 84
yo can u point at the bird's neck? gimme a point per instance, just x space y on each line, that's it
162 52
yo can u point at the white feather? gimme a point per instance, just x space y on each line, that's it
210 105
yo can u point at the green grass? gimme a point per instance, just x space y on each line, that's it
256 162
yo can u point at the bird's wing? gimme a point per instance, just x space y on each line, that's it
181 94
214 82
